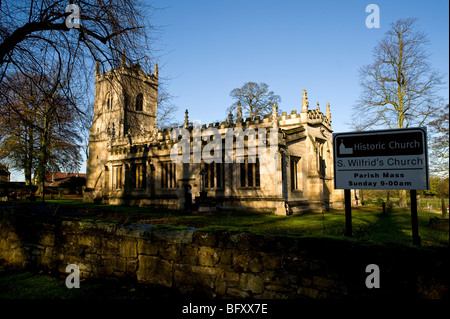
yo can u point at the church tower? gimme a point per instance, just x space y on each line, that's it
125 104
125 99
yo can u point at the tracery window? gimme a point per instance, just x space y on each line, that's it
249 172
294 172
168 175
139 102
139 176
117 177
214 175
108 101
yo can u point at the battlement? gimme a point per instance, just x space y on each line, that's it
317 117
164 137
134 70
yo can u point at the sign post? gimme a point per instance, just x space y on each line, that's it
414 220
348 212
385 159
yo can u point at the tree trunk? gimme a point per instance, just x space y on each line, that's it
402 200
28 177
388 202
29 153
43 156
401 111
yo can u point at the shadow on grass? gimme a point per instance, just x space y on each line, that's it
395 227
24 284
368 222
392 227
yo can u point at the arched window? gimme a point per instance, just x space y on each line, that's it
139 102
108 101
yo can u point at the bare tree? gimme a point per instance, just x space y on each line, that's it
40 130
439 145
166 107
18 137
105 30
399 87
41 39
255 99
34 32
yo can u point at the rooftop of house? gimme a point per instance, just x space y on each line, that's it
56 178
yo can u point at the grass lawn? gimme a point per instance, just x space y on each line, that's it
368 222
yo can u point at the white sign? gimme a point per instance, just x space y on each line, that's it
388 159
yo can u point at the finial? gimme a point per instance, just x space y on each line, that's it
328 111
97 68
230 118
239 112
305 103
155 72
275 110
186 119
274 114
318 108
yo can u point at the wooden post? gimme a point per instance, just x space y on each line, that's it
414 221
348 212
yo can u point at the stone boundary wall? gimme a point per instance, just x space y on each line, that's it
225 264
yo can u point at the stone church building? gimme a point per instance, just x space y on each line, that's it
130 159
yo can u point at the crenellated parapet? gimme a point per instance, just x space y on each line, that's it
316 117
133 70
164 138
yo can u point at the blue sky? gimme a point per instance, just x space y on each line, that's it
207 48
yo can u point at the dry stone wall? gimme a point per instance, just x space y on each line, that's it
225 264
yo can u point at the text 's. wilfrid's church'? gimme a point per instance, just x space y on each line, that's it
130 159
